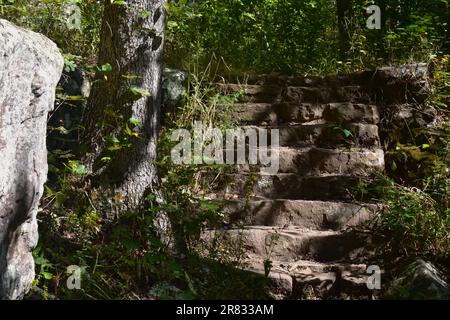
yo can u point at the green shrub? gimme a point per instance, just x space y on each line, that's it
251 35
413 223
302 36
49 18
123 258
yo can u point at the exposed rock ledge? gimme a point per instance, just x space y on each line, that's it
30 67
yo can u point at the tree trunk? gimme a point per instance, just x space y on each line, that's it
344 11
132 40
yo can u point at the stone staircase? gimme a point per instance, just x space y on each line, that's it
304 223
303 218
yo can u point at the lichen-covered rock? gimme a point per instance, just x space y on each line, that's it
174 88
420 280
30 67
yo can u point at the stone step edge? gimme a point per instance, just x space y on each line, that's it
285 283
239 197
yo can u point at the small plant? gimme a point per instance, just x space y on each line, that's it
44 270
345 132
440 95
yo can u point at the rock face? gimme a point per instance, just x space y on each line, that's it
30 67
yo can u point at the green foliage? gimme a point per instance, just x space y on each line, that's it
413 223
49 18
122 135
440 95
139 92
257 35
182 187
70 62
125 257
416 219
261 35
302 36
75 167
44 267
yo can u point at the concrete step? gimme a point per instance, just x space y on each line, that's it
315 215
292 113
294 243
287 186
319 161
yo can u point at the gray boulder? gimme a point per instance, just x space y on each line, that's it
174 89
30 67
420 280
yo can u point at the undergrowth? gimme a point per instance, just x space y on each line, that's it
415 190
126 258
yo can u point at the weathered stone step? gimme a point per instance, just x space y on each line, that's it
291 112
305 279
407 83
293 243
409 72
334 281
319 161
352 93
322 135
317 215
364 135
288 186
299 94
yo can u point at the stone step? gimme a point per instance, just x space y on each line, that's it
334 282
407 83
305 279
287 186
315 215
356 78
292 113
299 94
293 243
317 161
352 93
254 93
320 135
363 135
384 75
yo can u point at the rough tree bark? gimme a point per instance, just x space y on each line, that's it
132 41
